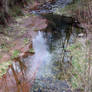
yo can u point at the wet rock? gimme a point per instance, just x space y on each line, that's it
39 90
81 35
52 85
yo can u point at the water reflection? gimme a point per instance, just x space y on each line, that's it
54 56
47 69
41 59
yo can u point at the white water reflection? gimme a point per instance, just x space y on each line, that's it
40 62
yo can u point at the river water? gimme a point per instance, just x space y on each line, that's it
51 61
51 7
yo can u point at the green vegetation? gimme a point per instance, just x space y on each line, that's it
15 54
31 50
3 67
80 65
16 11
26 41
4 47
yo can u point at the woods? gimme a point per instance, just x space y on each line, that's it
4 16
45 42
6 6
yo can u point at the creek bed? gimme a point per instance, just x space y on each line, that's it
48 69
51 60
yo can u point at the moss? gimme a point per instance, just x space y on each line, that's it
3 67
31 50
26 41
15 54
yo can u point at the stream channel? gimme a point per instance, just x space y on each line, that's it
51 62
48 69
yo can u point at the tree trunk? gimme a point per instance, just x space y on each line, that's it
4 16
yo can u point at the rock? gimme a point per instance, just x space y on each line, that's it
51 85
39 90
80 35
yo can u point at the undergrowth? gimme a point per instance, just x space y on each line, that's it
4 67
80 65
